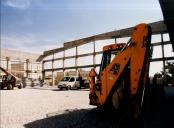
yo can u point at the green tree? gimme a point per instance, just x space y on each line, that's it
170 68
170 72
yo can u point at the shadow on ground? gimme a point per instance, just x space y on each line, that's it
82 89
56 89
83 118
158 113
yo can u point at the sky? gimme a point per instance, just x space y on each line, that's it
39 25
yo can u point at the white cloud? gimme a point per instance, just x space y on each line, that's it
28 43
20 4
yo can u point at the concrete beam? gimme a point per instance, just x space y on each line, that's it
96 65
162 59
160 43
100 52
157 28
40 58
70 57
74 67
50 52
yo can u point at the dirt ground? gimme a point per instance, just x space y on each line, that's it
47 107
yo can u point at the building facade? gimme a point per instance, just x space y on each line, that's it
21 64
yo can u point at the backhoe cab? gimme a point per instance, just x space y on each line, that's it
109 53
123 72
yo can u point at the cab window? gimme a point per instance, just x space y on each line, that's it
65 79
77 79
72 79
107 58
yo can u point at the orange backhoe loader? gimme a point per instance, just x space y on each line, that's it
124 69
123 73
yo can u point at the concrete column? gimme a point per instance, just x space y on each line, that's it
63 61
76 58
27 67
94 54
164 67
53 83
43 72
115 40
162 46
7 63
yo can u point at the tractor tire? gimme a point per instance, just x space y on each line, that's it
76 87
117 98
1 87
69 87
9 87
20 86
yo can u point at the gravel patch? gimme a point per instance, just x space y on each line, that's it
22 106
47 107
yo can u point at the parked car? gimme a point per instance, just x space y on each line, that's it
63 83
74 83
69 83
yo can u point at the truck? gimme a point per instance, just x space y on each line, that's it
72 82
9 81
68 83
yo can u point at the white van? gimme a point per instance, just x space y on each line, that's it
71 82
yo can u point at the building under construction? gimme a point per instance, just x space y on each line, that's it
21 64
56 60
